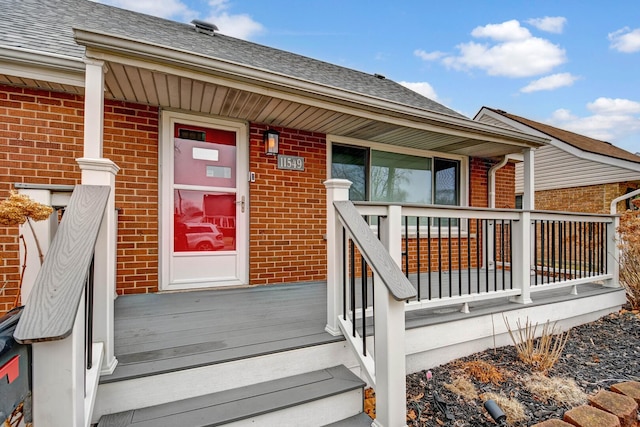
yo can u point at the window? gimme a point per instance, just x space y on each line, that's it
393 177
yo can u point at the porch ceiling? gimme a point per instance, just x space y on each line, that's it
135 84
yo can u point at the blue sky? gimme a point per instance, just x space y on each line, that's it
572 64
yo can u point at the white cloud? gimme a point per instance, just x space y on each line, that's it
550 24
551 82
625 40
507 31
614 106
612 119
429 56
511 52
423 88
236 25
241 26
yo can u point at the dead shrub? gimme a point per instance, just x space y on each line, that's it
540 354
483 372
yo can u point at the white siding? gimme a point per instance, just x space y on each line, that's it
492 121
555 168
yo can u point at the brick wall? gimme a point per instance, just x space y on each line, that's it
592 198
41 135
479 184
288 213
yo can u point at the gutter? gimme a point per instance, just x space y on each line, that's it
152 53
38 65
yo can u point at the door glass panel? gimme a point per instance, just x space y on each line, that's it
209 162
204 221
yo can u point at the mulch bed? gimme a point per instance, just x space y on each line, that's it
596 355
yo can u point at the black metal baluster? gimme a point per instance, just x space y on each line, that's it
344 274
406 246
352 298
429 255
511 253
485 226
502 252
89 315
459 259
365 274
449 256
535 252
418 269
542 250
478 222
469 255
495 255
439 257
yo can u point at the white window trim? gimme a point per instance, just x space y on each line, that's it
464 160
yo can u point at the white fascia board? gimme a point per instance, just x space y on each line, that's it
35 65
582 154
111 48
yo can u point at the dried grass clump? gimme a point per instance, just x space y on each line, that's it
540 354
463 388
629 244
483 371
513 409
563 391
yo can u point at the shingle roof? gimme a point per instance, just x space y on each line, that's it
46 26
581 142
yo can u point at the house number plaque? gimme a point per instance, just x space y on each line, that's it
293 163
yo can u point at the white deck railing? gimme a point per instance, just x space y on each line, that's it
58 317
491 253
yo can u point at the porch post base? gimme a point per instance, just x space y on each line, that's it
108 366
336 332
520 299
375 423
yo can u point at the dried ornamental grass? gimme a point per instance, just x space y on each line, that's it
563 391
540 354
483 372
513 409
463 388
629 244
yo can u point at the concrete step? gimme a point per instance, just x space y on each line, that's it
317 398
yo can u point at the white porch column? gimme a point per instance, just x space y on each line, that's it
613 253
390 335
93 108
521 262
528 198
337 189
103 172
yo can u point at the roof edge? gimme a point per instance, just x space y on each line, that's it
42 66
158 53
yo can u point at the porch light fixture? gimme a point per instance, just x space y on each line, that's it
271 139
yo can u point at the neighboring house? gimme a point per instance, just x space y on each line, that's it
573 173
159 126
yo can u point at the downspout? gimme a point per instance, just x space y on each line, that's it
492 180
614 203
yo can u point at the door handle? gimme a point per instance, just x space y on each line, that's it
241 203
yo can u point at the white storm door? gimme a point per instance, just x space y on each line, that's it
205 203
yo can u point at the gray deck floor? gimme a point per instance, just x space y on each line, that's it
156 333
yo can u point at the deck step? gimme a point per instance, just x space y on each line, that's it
316 398
360 420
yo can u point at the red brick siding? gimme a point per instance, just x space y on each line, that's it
592 198
479 179
41 135
288 213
